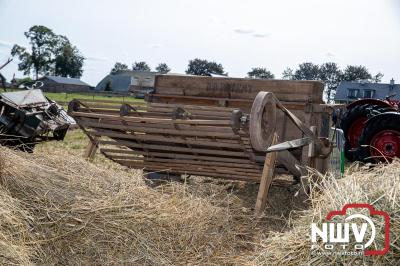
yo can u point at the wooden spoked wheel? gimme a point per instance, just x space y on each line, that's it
262 121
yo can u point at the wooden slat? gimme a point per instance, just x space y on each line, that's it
112 101
153 120
238 88
248 168
219 129
239 154
142 129
168 141
241 162
192 171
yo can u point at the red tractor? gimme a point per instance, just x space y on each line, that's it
372 130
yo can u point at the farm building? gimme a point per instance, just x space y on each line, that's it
349 91
62 84
126 81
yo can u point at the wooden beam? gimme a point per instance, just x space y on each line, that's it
91 149
266 179
152 120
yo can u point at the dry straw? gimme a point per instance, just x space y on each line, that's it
62 210
379 186
58 209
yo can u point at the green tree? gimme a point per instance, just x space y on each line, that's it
377 78
118 67
307 71
49 54
354 73
201 67
43 42
68 60
260 73
331 75
163 68
141 66
17 83
288 74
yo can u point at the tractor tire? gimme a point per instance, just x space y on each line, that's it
352 124
380 140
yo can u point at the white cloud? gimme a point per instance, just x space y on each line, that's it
328 54
243 31
156 46
252 32
261 35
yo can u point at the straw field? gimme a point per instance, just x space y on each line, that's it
56 208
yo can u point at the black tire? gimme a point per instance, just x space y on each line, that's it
371 129
353 114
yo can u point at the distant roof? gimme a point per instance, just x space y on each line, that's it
134 72
117 82
64 80
120 81
381 89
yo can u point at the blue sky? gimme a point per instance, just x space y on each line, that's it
239 34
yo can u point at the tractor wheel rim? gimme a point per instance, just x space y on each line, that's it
386 143
355 131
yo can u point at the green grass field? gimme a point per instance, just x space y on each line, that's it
63 97
66 97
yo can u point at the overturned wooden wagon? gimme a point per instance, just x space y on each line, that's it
216 127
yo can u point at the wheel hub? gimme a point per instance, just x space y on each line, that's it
386 143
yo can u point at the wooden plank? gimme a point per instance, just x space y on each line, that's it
195 167
238 168
239 154
266 179
112 106
237 88
113 101
158 131
192 111
248 168
168 141
135 124
91 149
152 120
241 162
156 168
224 99
289 105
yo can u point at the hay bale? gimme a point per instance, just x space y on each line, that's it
379 186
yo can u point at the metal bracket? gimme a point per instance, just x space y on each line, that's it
291 144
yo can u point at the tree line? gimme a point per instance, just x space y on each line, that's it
329 73
53 54
140 66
